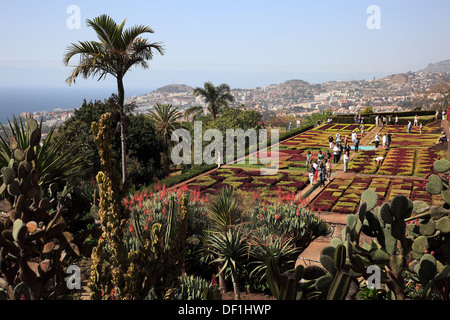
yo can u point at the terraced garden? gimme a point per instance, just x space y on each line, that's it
401 171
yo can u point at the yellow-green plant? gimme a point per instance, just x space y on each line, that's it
108 274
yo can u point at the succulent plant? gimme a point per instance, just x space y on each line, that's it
33 239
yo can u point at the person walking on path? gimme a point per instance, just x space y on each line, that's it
362 131
308 158
346 158
338 138
328 156
416 120
376 121
321 174
436 116
320 157
389 140
384 141
311 172
356 145
328 169
377 140
420 128
316 167
443 115
396 120
354 136
336 151
219 159
330 141
409 127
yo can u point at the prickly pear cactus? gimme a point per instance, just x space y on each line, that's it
34 243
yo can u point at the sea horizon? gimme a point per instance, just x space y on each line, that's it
15 100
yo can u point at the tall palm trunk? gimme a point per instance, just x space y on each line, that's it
121 92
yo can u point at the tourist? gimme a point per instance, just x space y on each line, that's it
383 121
338 138
316 167
320 156
328 169
219 159
354 136
376 120
443 115
377 140
384 141
420 128
436 115
315 164
346 158
442 138
330 141
389 139
339 152
328 156
311 172
362 131
416 120
356 145
322 174
345 140
336 151
389 120
308 158
409 127
346 148
396 119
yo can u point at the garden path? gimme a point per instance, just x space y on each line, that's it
338 221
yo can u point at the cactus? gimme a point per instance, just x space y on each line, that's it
284 286
404 231
108 271
33 223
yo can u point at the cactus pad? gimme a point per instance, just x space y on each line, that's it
441 165
434 184
370 197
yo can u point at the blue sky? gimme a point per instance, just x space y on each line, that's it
244 43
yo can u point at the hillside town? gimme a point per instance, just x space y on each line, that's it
399 92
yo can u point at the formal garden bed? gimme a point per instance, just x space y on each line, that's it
247 182
343 195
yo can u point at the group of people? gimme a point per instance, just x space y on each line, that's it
386 140
416 124
437 115
321 168
382 120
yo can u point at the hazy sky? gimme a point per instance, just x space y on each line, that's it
244 43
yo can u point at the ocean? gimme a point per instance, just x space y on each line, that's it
14 100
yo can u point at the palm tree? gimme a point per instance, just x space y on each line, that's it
165 117
194 111
215 97
116 52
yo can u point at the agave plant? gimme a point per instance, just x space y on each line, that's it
225 210
55 166
229 248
